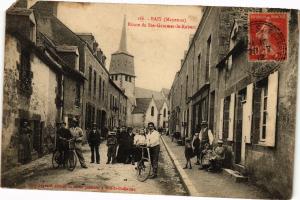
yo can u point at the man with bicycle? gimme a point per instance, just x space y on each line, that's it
77 134
153 142
63 135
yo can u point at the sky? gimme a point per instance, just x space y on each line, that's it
157 51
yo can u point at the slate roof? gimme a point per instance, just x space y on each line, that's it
145 93
165 91
19 11
142 105
159 103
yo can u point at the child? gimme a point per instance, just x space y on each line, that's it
111 147
205 157
188 152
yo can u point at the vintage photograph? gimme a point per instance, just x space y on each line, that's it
150 99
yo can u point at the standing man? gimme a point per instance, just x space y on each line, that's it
63 134
94 142
205 136
77 134
25 142
153 141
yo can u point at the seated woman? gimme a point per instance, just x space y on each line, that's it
217 157
206 155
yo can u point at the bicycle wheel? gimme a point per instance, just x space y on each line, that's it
71 161
56 159
143 169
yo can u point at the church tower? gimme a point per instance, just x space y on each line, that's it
122 72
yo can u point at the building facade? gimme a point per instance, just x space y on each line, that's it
51 75
31 82
117 115
248 105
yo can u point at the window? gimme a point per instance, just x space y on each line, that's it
110 101
186 88
90 80
263 112
129 78
212 111
226 117
100 87
180 93
152 111
199 71
103 89
165 112
25 73
95 82
116 77
126 78
207 64
265 96
78 95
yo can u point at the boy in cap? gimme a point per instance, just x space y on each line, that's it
111 147
188 152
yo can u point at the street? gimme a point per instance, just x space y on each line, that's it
101 177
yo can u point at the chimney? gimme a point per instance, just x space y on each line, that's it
95 45
46 7
21 4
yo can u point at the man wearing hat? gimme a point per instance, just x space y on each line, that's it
77 134
94 139
205 136
63 134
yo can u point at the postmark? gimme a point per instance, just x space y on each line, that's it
268 36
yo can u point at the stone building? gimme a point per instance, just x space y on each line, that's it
90 62
249 105
51 74
117 114
32 82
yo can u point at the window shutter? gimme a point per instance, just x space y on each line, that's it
256 115
231 117
221 119
247 113
272 108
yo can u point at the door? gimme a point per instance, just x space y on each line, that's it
244 130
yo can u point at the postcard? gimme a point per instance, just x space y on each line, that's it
183 100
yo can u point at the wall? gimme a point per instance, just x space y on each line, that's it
148 117
10 103
138 120
162 118
40 106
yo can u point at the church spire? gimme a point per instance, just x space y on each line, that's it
123 41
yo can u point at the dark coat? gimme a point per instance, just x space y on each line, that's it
94 137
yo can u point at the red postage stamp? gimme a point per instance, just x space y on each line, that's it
267 35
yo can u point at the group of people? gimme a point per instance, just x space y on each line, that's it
201 146
123 145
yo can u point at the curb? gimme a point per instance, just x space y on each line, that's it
192 191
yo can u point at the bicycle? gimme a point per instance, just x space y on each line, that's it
67 158
144 166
